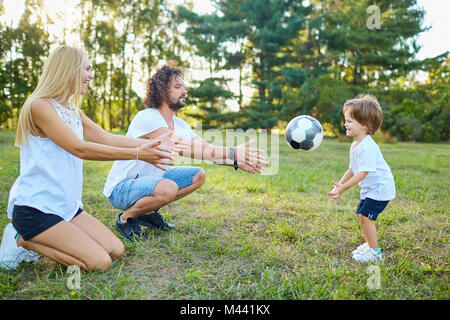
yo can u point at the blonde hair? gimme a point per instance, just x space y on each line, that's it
61 79
366 110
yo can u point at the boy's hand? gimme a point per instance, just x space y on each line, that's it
337 191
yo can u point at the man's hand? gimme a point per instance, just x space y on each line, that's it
249 168
250 156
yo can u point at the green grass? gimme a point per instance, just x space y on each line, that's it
244 236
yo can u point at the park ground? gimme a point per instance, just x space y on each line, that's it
244 236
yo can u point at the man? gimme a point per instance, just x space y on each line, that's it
141 189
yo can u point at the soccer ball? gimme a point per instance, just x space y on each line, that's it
304 133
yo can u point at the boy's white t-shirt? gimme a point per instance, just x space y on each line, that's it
145 121
379 183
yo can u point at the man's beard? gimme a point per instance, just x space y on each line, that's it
175 106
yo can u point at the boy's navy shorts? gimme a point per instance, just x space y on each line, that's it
29 221
371 208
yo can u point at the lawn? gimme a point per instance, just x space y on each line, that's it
244 236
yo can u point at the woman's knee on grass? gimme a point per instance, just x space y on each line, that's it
117 249
97 261
92 259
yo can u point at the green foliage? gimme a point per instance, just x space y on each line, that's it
272 26
288 58
365 56
412 121
206 35
22 53
423 113
209 97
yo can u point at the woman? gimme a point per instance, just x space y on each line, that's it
46 197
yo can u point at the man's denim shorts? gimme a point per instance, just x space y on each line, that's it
371 208
127 192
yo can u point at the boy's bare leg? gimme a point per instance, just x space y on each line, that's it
369 230
362 226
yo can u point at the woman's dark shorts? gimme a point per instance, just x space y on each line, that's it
371 208
29 222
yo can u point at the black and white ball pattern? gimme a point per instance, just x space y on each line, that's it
304 133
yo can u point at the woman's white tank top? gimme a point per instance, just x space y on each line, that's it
50 178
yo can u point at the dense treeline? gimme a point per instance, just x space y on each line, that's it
286 58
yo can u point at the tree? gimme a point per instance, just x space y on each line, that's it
423 113
370 57
270 27
22 52
5 109
205 35
259 34
362 59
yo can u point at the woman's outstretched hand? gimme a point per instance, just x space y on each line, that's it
154 153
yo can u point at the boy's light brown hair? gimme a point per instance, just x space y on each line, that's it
366 110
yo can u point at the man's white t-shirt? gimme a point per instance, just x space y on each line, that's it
379 183
145 121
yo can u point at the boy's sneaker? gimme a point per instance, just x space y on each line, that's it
129 229
370 255
360 249
154 220
11 255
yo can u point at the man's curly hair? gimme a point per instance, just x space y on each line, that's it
158 86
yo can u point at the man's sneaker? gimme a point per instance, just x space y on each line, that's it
360 249
129 229
370 255
11 255
154 220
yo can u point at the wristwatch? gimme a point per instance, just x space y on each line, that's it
232 156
